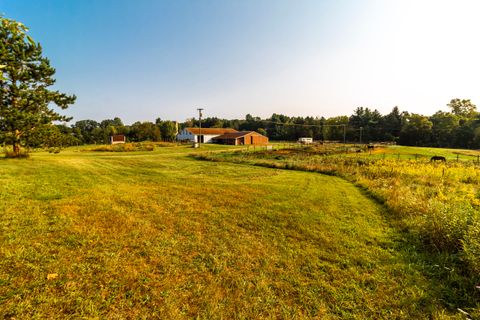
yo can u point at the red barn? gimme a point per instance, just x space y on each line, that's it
241 138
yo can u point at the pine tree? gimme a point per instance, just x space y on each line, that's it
25 78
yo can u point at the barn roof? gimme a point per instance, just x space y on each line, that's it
218 131
235 135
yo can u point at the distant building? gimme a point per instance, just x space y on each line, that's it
204 135
241 138
117 138
305 140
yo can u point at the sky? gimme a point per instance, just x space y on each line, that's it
147 59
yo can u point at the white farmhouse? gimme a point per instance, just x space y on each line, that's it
203 135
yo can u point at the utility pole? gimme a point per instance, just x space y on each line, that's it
200 120
361 129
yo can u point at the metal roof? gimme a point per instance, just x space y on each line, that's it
236 135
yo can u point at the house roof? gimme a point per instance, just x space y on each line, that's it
218 131
235 135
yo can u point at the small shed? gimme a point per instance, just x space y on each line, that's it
117 138
241 138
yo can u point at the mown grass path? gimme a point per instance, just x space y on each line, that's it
161 235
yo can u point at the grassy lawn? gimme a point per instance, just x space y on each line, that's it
159 234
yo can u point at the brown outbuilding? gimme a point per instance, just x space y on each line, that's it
241 138
117 138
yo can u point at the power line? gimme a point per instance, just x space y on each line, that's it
349 126
304 124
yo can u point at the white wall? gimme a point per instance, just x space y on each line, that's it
187 135
207 138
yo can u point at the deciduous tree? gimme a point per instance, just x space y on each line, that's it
416 130
463 107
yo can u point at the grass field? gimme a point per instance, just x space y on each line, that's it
160 234
438 203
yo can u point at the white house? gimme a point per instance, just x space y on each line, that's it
203 135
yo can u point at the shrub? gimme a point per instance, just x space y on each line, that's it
446 225
101 149
125 147
165 144
22 154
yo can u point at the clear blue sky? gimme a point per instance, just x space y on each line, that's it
144 59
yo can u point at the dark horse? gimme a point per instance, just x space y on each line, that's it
438 158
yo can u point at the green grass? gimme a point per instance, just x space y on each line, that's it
438 203
160 234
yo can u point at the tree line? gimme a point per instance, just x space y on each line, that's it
457 128
93 132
